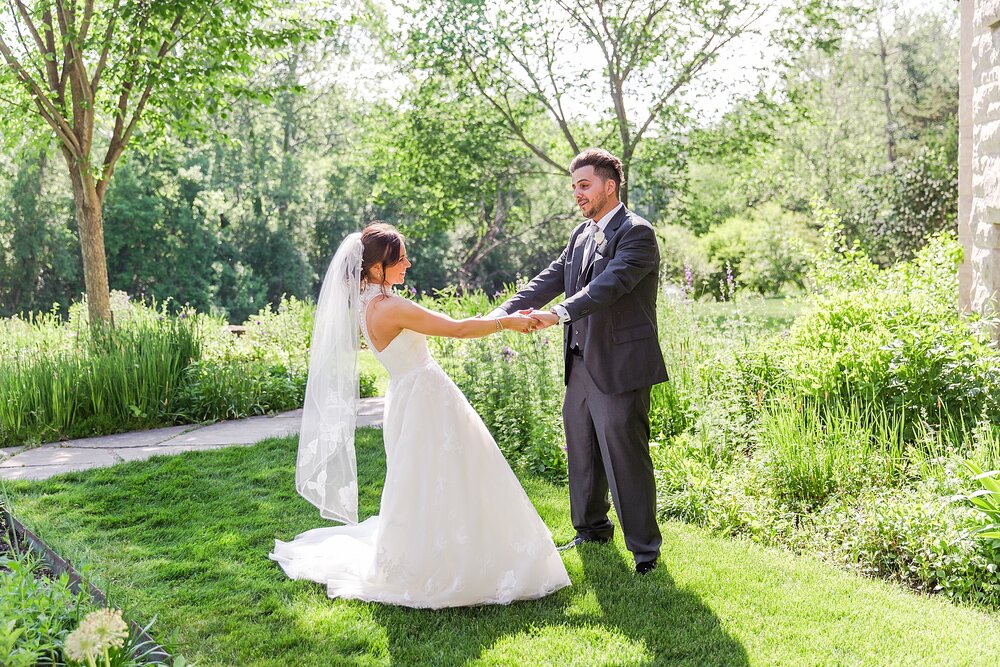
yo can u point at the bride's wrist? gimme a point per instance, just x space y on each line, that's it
501 324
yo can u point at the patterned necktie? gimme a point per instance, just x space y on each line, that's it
589 246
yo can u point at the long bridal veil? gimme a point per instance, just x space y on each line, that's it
326 469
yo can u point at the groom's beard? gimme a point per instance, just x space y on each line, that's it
593 207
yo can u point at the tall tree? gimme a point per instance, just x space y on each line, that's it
95 71
605 73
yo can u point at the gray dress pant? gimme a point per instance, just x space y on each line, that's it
607 441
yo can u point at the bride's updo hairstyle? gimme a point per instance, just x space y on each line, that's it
383 247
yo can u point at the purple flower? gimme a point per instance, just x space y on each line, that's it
413 290
688 278
258 322
183 316
496 294
546 341
508 354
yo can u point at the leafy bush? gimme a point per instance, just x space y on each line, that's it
765 252
919 536
898 208
237 389
896 340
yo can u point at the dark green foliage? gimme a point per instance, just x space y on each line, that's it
898 208
236 389
39 254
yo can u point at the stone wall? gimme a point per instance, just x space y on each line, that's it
979 154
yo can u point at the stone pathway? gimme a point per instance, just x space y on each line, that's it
59 457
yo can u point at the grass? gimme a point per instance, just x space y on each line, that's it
186 538
367 363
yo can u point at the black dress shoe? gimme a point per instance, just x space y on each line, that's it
645 568
578 540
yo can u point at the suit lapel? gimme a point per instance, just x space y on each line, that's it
609 232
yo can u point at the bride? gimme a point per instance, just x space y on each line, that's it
454 527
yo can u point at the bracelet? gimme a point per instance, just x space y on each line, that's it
499 325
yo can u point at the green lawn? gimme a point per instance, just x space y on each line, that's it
369 364
186 539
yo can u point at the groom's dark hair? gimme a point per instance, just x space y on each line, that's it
605 165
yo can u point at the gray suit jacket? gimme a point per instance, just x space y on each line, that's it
611 303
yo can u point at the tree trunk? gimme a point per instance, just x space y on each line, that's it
890 133
90 222
626 165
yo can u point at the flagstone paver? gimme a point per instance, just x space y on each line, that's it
73 455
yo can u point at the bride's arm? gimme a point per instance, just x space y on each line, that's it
398 313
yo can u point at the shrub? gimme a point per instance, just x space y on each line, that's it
899 207
922 537
236 389
766 251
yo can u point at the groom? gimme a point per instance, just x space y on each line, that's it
609 274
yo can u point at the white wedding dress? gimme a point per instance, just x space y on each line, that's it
455 527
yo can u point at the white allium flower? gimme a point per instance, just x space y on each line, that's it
99 631
107 627
80 645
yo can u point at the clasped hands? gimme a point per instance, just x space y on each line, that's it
529 320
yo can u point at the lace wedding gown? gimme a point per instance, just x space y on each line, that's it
455 527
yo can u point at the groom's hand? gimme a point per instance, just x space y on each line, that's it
544 318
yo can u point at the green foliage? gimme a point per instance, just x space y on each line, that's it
893 338
814 451
918 536
98 380
986 500
236 389
896 210
839 436
39 259
764 252
37 612
684 263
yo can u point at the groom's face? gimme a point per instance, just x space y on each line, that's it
591 192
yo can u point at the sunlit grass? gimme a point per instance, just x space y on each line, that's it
186 539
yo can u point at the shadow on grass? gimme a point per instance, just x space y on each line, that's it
609 616
186 539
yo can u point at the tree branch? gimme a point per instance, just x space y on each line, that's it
507 115
45 107
103 59
122 133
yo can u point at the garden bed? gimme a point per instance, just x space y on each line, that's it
16 540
